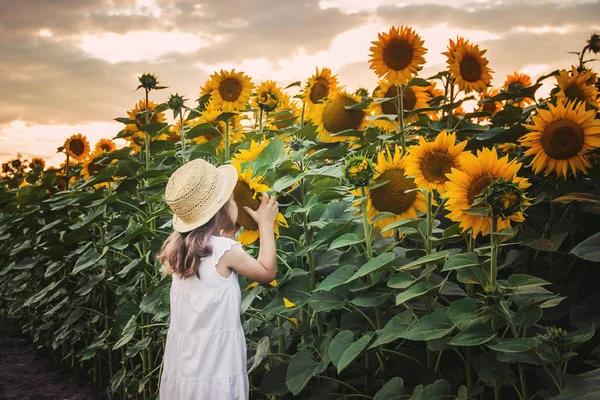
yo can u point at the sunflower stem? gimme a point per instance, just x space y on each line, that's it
494 251
227 136
260 122
302 115
182 135
67 172
400 106
366 226
449 116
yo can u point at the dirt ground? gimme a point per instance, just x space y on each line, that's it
30 374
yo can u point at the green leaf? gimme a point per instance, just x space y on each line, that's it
418 289
401 280
373 265
585 386
370 299
338 346
336 278
127 334
352 352
302 367
134 263
286 181
432 326
440 390
347 239
489 369
474 335
519 345
550 245
577 338
524 280
429 258
461 260
89 219
393 329
589 249
262 352
136 348
392 390
327 301
87 260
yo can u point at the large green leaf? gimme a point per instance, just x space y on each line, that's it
339 344
88 259
524 280
302 367
585 386
463 312
461 260
589 249
416 290
336 278
473 335
127 334
347 239
439 390
393 329
136 348
429 258
392 390
370 299
373 265
432 326
327 301
352 352
262 352
519 345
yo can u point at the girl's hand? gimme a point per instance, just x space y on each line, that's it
266 214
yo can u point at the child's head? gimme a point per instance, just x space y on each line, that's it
201 197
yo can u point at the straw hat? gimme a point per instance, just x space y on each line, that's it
196 191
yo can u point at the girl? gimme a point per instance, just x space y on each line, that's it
205 352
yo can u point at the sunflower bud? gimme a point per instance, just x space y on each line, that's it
149 82
361 92
594 43
175 103
505 198
554 335
358 171
267 101
508 147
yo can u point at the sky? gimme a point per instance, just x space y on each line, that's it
71 66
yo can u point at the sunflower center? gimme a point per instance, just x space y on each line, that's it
477 185
563 139
398 54
470 70
94 167
77 147
336 118
319 90
230 89
575 92
409 100
392 197
243 197
105 147
490 107
435 165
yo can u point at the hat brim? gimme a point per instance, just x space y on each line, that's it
230 174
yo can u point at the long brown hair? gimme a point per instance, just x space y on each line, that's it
181 252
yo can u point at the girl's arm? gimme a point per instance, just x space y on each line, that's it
264 268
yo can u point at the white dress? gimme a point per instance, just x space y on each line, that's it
205 352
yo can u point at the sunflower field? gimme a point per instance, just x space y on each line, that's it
424 252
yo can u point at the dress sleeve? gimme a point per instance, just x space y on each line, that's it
222 244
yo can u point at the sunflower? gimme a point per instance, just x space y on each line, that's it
491 107
464 186
519 81
413 98
574 88
332 117
397 55
247 193
91 167
136 136
285 114
105 145
318 88
209 116
38 162
452 48
469 68
429 162
268 96
560 136
231 91
243 156
77 147
398 196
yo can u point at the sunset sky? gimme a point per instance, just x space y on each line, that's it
70 66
